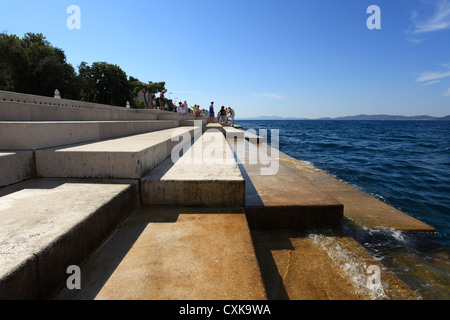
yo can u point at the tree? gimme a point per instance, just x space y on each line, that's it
14 64
33 65
49 69
147 90
104 83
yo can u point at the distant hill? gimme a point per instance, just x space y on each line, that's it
380 117
383 117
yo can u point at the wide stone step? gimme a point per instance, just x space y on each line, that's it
233 133
48 225
38 135
277 197
65 110
170 253
16 166
206 175
123 158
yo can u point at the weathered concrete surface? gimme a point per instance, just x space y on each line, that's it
122 158
213 126
16 166
163 253
358 206
302 266
193 122
49 224
232 133
281 198
175 116
206 175
68 111
39 135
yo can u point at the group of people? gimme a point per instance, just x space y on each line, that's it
184 109
224 115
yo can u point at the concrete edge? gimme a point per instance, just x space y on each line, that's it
43 274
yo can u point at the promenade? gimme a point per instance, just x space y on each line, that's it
159 206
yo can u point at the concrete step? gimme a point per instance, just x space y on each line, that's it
194 122
206 175
231 133
214 127
58 110
123 158
16 166
170 253
239 133
48 225
175 116
277 197
38 135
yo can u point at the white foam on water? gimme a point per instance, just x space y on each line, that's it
352 268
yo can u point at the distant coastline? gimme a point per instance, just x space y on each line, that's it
380 117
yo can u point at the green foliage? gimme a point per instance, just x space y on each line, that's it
147 90
139 105
104 83
32 65
14 64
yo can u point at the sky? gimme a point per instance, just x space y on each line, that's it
287 58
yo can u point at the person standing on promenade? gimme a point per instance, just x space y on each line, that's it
222 115
211 112
230 114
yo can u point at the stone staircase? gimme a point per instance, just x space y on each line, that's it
97 186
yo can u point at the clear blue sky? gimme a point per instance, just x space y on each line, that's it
302 58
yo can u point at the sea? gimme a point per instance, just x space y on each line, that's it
405 164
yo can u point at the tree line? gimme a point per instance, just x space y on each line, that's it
32 65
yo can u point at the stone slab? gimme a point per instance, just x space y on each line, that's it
68 111
206 175
38 135
280 198
16 166
122 158
194 122
213 126
232 133
48 225
169 253
175 116
321 266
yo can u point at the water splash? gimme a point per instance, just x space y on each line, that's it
354 269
